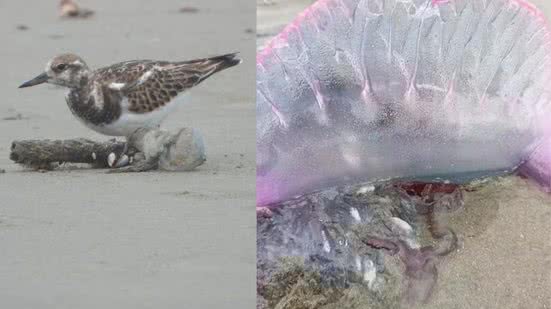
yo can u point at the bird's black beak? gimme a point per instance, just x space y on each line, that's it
42 78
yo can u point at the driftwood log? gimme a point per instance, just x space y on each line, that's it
145 149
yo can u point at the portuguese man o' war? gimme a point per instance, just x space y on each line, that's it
365 90
345 237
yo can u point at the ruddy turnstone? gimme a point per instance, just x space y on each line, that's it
119 99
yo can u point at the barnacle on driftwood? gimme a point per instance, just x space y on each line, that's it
146 149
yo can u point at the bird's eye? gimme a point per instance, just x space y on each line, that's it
61 67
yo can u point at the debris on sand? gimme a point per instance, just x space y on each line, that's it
146 149
17 116
56 36
189 10
69 9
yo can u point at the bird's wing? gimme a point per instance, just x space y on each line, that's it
151 85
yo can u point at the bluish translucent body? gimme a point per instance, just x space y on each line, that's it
368 90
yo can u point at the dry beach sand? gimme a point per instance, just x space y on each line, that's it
504 260
80 238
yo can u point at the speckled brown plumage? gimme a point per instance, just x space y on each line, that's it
118 99
167 79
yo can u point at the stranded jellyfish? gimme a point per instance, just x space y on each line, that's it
377 89
370 115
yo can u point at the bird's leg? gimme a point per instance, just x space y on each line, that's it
134 145
133 159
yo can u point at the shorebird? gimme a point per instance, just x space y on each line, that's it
121 98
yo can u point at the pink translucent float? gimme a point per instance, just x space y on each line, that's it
369 90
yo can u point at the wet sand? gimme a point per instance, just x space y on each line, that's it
504 260
80 238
